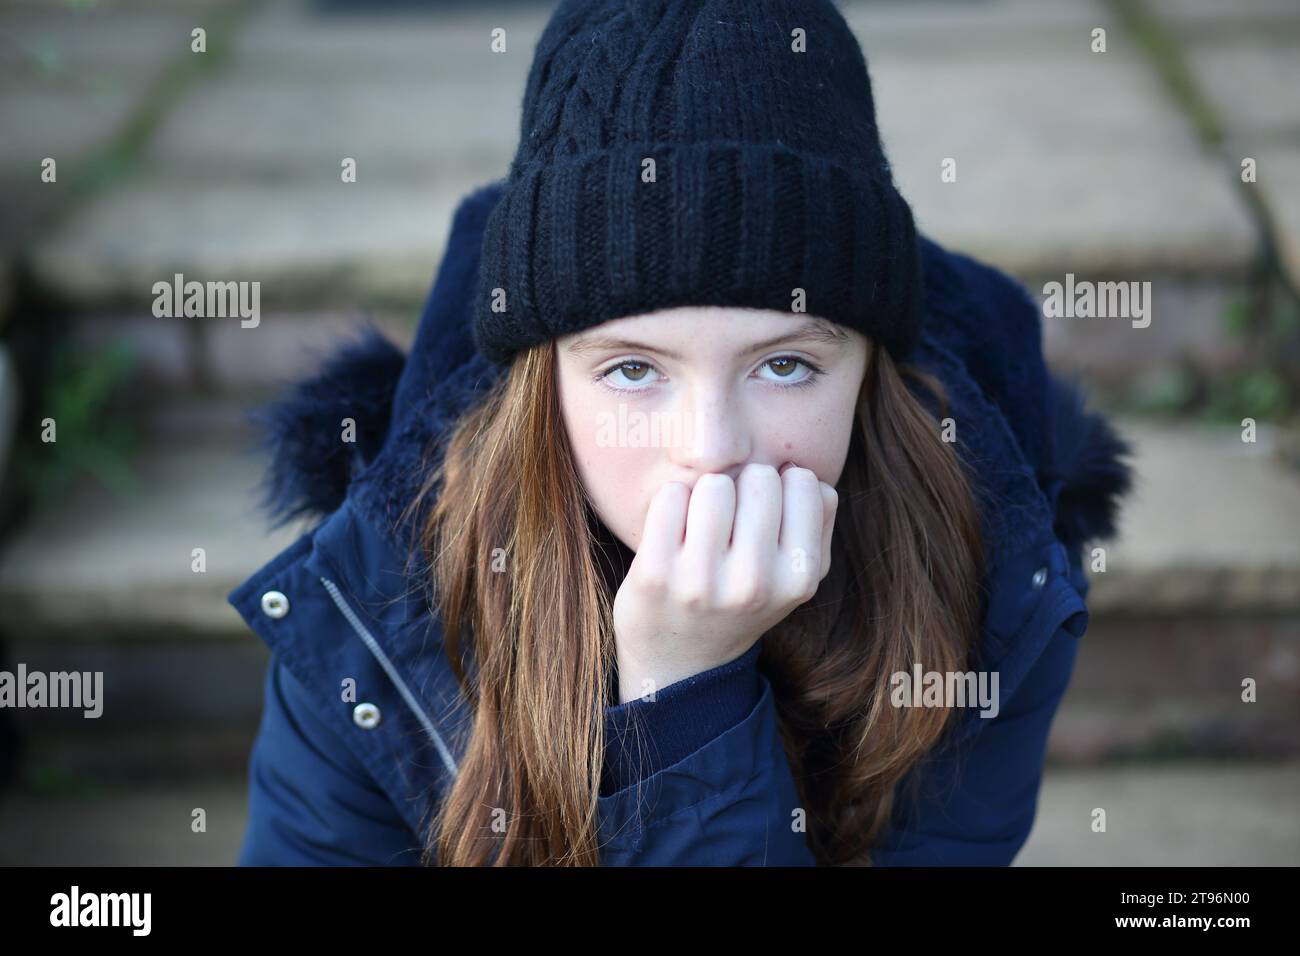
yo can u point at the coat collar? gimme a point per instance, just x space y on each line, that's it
1048 477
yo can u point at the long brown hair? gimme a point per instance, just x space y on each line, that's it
517 581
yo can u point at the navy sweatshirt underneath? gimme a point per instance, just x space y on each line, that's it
644 736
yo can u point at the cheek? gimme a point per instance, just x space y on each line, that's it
619 481
812 437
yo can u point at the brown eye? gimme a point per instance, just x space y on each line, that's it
633 377
783 368
627 374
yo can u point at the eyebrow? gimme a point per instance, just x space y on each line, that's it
809 331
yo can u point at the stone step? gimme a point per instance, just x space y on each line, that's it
219 362
1184 814
1211 529
1092 170
1122 663
173 707
75 76
313 244
146 733
1178 814
136 824
151 733
1151 727
102 567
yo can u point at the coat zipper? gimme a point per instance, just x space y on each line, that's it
368 639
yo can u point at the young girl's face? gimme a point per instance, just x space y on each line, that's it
672 395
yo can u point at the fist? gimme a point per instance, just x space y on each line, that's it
718 566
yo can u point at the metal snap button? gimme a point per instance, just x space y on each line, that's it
366 716
275 604
1040 577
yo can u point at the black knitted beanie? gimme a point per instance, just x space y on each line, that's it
697 152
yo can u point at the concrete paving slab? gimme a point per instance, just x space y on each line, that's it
100 567
72 77
1250 75
292 38
893 20
1212 18
339 244
1068 160
65 125
141 826
407 129
1187 324
1246 79
71 41
283 348
1176 815
1212 525
1279 176
1179 815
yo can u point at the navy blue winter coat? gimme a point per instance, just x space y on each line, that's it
335 781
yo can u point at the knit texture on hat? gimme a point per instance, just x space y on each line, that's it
691 153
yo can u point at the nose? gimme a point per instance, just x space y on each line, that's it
714 436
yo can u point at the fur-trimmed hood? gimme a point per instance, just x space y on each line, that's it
358 779
1041 458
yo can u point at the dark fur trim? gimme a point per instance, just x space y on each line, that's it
311 465
1087 456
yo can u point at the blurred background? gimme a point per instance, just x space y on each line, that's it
1119 165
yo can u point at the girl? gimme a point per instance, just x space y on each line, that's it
531 629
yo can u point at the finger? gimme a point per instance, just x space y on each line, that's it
665 524
757 526
830 504
801 516
708 521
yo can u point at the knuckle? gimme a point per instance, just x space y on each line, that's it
653 583
750 592
694 591
812 583
693 599
803 583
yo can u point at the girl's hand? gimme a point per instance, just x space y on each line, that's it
688 606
